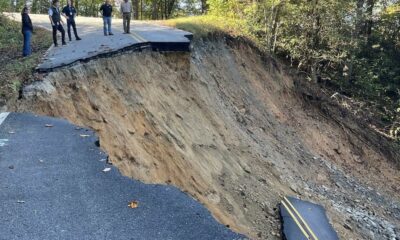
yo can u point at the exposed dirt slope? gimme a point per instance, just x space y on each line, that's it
231 128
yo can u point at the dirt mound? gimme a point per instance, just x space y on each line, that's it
227 125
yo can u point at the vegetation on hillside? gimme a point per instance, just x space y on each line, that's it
206 25
351 46
16 70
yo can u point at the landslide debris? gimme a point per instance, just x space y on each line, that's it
233 128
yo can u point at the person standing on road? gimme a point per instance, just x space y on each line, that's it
56 22
27 30
126 10
106 11
69 12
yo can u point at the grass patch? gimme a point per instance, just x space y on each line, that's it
209 25
16 70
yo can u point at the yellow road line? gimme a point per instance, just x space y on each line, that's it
295 219
301 218
138 37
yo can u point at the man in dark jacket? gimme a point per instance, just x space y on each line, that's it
56 22
69 12
27 30
106 11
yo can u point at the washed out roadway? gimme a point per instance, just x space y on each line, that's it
95 44
52 186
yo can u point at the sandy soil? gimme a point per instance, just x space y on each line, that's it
231 128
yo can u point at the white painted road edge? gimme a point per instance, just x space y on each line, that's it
3 117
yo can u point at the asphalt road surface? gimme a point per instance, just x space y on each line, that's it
94 43
304 220
52 186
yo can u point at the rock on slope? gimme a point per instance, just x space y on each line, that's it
230 127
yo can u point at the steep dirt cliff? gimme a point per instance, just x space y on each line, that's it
230 127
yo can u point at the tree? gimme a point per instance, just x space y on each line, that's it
369 19
135 5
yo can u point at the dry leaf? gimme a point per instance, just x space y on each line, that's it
48 125
133 204
106 169
84 135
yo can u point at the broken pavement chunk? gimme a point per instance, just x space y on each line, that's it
305 220
49 125
106 169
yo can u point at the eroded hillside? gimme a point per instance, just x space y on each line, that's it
230 127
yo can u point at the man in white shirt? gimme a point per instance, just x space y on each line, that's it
126 10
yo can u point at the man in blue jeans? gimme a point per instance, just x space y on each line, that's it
27 30
106 11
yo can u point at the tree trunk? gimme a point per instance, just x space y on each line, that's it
160 10
203 6
76 3
266 26
359 18
92 9
315 39
170 7
357 31
141 9
369 20
275 22
34 6
135 9
154 7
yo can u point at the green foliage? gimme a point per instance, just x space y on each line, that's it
9 37
4 5
205 25
186 8
352 44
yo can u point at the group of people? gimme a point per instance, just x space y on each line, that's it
69 13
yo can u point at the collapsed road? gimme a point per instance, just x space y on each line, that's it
228 125
94 44
55 183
